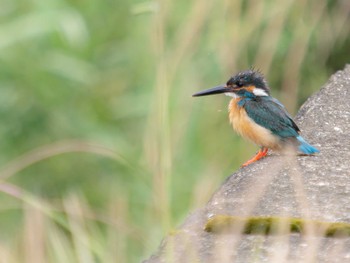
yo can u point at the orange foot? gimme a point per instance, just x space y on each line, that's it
261 154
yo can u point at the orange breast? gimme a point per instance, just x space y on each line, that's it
246 127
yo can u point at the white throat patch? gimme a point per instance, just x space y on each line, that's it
231 94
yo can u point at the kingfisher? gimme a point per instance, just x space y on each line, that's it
259 117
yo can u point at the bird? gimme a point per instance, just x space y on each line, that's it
259 117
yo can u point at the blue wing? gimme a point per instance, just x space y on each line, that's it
271 114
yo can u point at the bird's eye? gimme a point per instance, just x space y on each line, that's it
239 83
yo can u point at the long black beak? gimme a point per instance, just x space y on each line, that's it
212 91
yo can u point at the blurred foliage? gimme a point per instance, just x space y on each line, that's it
118 76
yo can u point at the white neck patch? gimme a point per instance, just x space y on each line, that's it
259 92
231 94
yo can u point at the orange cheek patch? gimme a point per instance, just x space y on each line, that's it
250 88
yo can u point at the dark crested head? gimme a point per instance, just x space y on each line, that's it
249 83
249 78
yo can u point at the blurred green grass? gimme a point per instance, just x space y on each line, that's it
118 76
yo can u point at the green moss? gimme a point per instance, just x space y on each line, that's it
276 225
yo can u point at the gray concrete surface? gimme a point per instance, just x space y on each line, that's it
314 187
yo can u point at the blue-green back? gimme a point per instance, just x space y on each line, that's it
270 113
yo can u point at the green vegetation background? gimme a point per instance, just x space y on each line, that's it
103 149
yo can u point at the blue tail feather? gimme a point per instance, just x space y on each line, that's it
306 148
